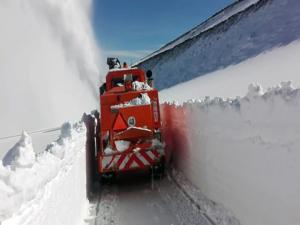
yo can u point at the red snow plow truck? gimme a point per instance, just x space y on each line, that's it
126 135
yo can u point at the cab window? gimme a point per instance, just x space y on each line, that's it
119 81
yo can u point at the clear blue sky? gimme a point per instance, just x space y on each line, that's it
134 28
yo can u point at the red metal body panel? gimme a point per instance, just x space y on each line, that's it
138 125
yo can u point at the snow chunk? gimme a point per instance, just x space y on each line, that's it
108 150
254 90
144 99
66 130
22 154
122 145
56 149
139 86
67 133
285 89
157 143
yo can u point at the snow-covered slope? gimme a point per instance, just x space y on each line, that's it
48 188
267 69
258 28
211 22
48 64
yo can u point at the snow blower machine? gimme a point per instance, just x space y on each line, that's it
126 135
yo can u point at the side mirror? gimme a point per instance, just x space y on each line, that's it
149 74
149 78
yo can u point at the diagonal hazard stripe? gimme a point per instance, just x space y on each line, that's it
132 159
138 161
151 155
124 162
121 160
116 159
142 158
109 164
147 157
155 153
106 161
129 162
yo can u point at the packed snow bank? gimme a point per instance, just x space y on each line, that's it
242 152
48 188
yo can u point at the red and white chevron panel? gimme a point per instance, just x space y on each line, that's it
127 161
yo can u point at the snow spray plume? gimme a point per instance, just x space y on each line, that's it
69 22
49 63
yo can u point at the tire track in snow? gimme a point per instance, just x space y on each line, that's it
190 198
133 201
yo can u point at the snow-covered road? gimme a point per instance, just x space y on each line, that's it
134 200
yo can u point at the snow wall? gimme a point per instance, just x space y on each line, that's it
262 26
49 63
54 191
242 153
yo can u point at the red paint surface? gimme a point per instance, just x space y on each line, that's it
175 132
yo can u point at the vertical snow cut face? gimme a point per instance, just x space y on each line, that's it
49 66
242 152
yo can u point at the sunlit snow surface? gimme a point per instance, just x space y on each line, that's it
39 189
